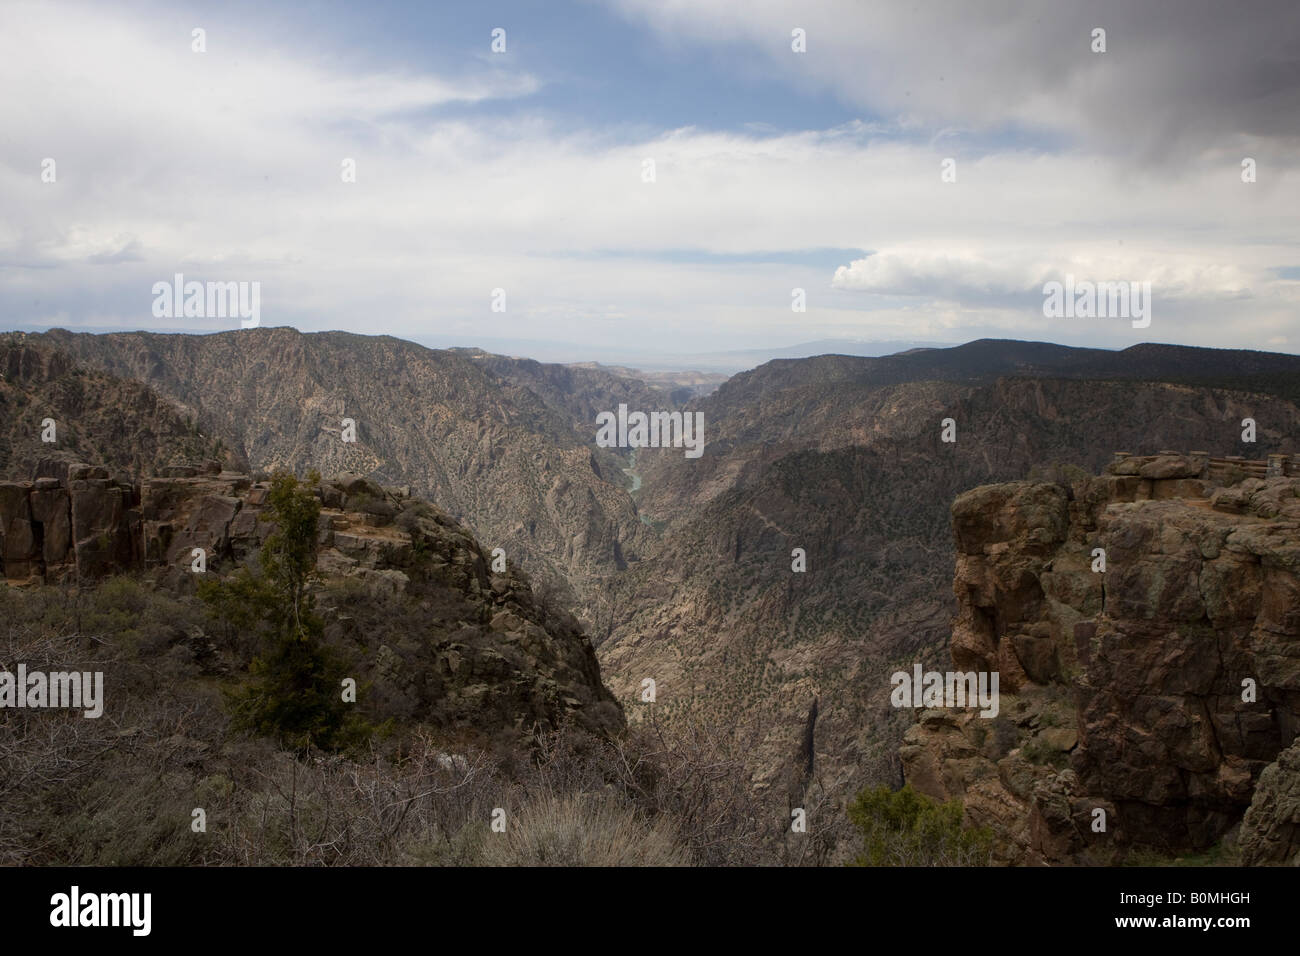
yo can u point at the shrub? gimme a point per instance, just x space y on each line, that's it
906 828
1038 751
583 830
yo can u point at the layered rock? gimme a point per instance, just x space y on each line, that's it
1156 690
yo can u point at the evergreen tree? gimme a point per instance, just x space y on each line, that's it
295 689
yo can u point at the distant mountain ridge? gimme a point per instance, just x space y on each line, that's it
51 405
988 359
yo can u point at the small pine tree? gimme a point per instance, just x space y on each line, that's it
294 693
906 828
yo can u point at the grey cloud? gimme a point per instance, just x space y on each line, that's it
1177 74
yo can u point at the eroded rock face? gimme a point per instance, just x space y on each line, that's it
20 552
51 507
184 513
1122 690
105 526
74 522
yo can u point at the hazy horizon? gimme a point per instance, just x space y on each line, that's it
727 362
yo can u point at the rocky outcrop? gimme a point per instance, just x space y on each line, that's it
74 523
1270 832
446 639
83 526
1143 698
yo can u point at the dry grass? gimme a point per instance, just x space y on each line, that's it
584 829
123 789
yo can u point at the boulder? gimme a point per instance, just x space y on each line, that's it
1171 466
57 468
354 484
330 494
1270 830
207 527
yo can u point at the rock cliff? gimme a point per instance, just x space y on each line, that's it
442 637
1148 704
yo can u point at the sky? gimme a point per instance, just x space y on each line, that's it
525 170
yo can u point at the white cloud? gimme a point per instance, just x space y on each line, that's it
970 277
228 167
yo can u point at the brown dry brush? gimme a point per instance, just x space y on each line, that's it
124 788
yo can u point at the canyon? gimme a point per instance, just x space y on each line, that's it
679 570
